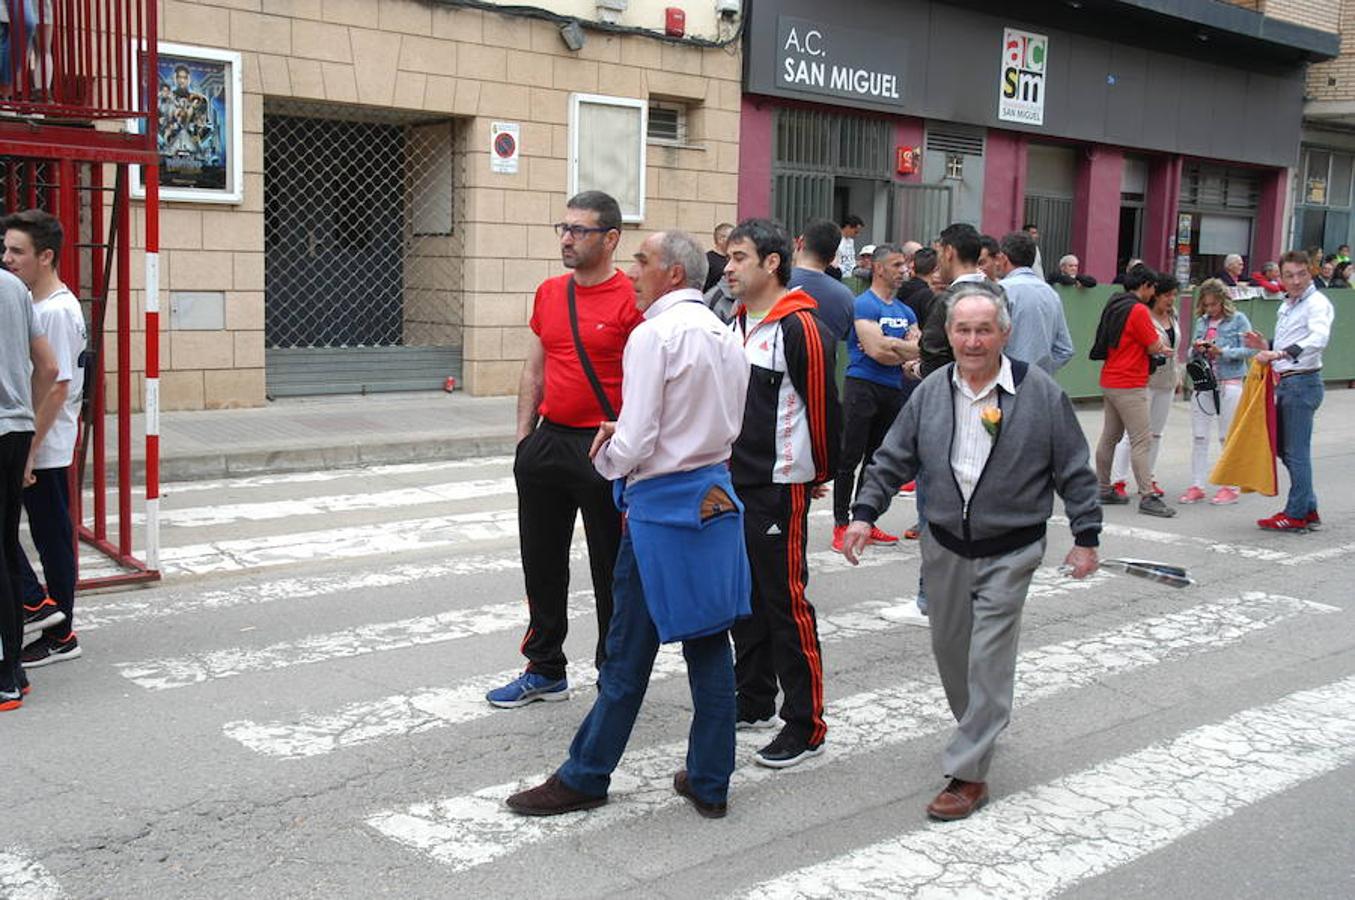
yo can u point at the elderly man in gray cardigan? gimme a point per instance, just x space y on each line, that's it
1001 439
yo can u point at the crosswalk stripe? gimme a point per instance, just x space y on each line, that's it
396 498
182 671
1172 539
23 878
177 672
321 476
1042 841
366 721
158 604
467 831
376 540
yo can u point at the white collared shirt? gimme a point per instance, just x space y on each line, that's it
1305 322
683 386
969 451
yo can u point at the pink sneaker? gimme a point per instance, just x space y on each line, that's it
1225 497
1194 495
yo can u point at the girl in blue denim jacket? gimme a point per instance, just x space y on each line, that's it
1218 338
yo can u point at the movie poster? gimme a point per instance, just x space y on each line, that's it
197 97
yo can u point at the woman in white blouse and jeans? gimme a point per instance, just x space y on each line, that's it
1218 338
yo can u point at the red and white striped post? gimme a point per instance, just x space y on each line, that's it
152 178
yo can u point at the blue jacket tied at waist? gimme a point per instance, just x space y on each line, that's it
695 573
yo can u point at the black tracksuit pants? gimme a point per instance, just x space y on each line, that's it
780 641
868 409
555 482
13 458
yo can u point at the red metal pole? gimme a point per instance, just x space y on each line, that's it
124 270
152 179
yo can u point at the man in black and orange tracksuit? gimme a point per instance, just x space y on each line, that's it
786 449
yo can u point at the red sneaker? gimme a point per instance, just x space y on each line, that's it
1157 491
913 532
1282 522
1121 489
839 532
1313 521
908 489
882 537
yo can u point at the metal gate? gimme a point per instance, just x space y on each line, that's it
921 211
811 148
1054 217
362 260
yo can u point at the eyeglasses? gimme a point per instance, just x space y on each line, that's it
578 232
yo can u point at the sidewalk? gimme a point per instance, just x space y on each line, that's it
326 433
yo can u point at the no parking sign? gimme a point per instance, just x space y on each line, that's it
504 147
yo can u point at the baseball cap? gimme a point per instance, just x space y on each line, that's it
868 250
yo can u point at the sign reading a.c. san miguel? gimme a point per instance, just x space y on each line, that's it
838 62
1025 61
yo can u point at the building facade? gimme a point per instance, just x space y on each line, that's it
1122 129
401 164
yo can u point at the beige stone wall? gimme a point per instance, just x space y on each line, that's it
1335 80
1324 15
478 67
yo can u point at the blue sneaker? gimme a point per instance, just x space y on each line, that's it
528 688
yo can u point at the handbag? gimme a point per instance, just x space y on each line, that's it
608 411
1202 378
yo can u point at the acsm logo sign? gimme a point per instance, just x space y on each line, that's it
1025 59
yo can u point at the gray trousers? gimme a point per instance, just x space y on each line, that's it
974 606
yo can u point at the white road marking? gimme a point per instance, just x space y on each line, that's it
1153 536
1319 555
1043 841
396 498
405 714
377 540
155 604
182 671
254 481
23 878
467 831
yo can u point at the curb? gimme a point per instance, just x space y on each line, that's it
347 455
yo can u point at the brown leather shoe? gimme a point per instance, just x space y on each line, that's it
709 810
552 798
959 800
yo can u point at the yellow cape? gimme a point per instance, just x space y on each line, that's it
1248 458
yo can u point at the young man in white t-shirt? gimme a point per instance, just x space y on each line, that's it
33 240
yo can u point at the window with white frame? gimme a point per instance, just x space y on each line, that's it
607 139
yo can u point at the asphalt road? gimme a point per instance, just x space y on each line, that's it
296 712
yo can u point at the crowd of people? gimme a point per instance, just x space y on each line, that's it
694 408
711 407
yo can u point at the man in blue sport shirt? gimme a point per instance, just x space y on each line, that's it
885 336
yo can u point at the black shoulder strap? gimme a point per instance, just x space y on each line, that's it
607 410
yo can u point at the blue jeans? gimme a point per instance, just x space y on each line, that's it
632 642
1296 401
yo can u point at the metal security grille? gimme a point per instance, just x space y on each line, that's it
811 148
362 262
1054 217
921 211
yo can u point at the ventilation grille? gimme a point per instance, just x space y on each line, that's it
949 139
667 123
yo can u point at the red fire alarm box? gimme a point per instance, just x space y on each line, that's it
908 160
674 22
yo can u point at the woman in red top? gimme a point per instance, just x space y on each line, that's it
1130 339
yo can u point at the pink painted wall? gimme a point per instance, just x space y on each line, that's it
908 133
1268 242
1096 211
755 158
1159 220
1004 182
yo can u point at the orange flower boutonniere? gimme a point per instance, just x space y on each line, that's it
992 420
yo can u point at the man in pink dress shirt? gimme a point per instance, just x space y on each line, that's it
682 408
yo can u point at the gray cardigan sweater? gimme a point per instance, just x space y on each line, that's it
1039 449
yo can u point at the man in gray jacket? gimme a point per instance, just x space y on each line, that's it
1001 438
